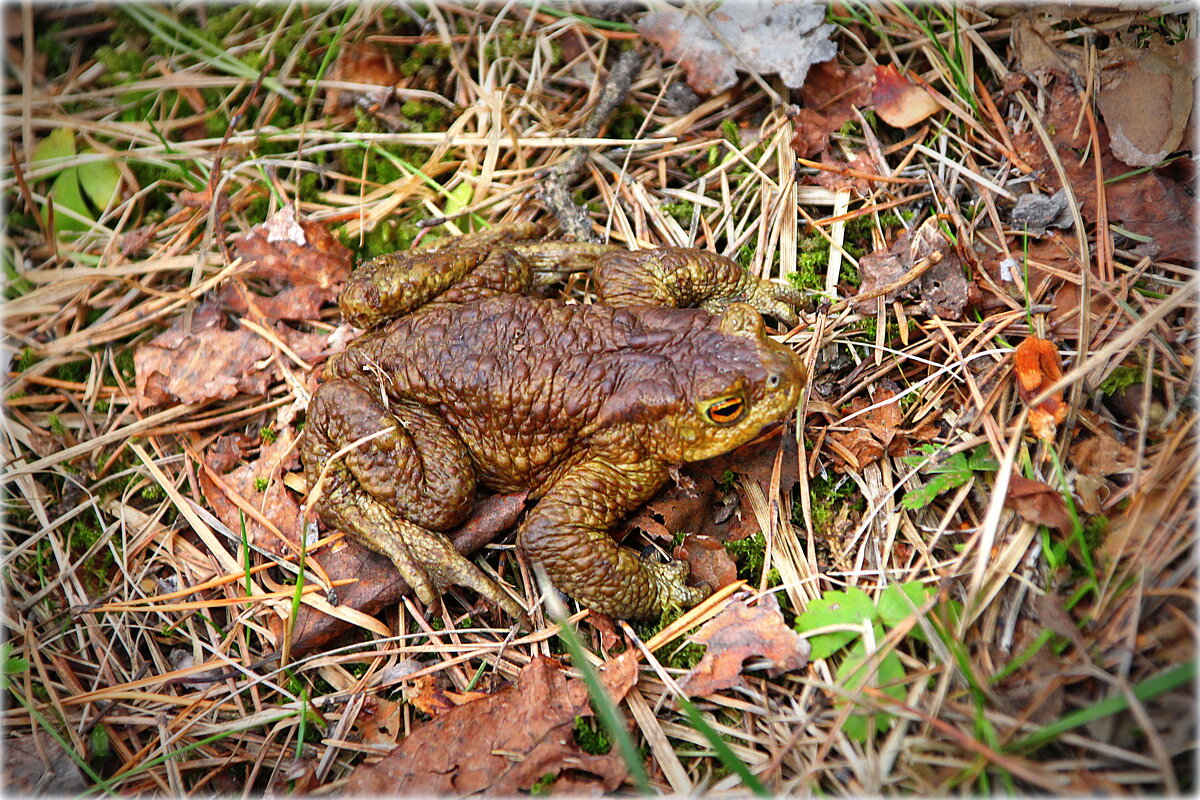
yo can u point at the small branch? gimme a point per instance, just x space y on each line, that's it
554 194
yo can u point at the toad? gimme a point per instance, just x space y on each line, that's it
462 380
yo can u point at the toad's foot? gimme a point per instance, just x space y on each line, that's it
429 563
671 579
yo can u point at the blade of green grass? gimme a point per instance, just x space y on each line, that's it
1148 689
722 749
606 710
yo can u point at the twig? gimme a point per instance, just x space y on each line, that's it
554 194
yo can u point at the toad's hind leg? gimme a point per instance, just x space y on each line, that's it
397 491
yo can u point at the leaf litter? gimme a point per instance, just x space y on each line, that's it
160 367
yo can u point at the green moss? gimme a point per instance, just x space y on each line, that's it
1121 379
591 736
543 784
681 210
749 554
152 493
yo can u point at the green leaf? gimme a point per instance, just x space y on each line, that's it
850 607
458 199
60 143
854 676
100 180
893 609
65 194
946 475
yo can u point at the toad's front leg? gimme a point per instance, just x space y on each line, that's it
396 491
568 534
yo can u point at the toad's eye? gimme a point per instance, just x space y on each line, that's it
725 410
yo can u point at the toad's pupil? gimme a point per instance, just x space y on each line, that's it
727 411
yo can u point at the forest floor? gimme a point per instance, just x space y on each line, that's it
967 566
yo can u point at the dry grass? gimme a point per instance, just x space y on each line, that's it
124 593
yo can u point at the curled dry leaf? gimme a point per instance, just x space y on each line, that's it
502 744
1146 101
710 562
780 37
740 632
1151 204
899 102
1037 502
302 262
1038 366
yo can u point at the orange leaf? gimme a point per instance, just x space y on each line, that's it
899 102
1038 366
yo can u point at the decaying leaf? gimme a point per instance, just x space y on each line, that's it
427 694
709 561
1146 101
899 102
365 63
686 506
197 359
1038 366
740 632
499 744
1037 502
780 37
875 432
200 361
259 483
830 94
1150 204
942 287
302 262
381 721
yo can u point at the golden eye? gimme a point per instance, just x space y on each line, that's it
725 410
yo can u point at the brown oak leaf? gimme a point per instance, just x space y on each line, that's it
1037 502
500 744
741 632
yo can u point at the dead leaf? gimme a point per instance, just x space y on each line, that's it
197 359
291 252
710 562
500 744
40 768
942 287
899 102
380 722
1102 454
875 432
361 62
1150 204
759 36
1146 101
677 508
200 362
1038 366
275 502
738 633
1034 49
1038 503
427 694
830 93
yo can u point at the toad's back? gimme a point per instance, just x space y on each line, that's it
524 381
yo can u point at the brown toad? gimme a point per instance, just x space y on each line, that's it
463 381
